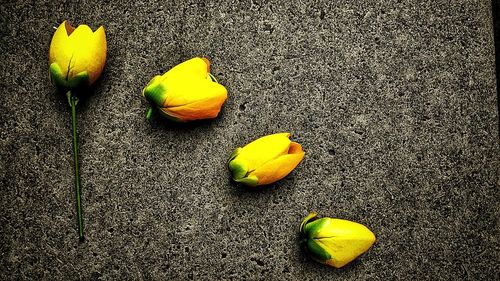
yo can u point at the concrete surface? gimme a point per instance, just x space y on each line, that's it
394 102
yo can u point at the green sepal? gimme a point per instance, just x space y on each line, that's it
60 80
317 250
56 76
165 114
70 96
238 168
313 228
234 154
212 78
155 93
306 220
248 181
80 80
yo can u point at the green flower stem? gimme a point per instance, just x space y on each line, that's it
73 100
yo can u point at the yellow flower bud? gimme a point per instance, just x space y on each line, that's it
265 160
76 56
186 92
335 242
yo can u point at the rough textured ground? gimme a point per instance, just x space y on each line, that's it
394 102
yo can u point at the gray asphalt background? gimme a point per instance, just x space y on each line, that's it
394 103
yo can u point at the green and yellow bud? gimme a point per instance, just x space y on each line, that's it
186 92
335 242
76 56
265 160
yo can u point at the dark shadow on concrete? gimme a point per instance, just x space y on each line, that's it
495 6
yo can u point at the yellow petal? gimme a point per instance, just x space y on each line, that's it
193 68
265 149
207 62
278 168
100 54
183 91
89 51
61 49
193 101
348 240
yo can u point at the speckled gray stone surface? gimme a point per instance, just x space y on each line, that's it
394 103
